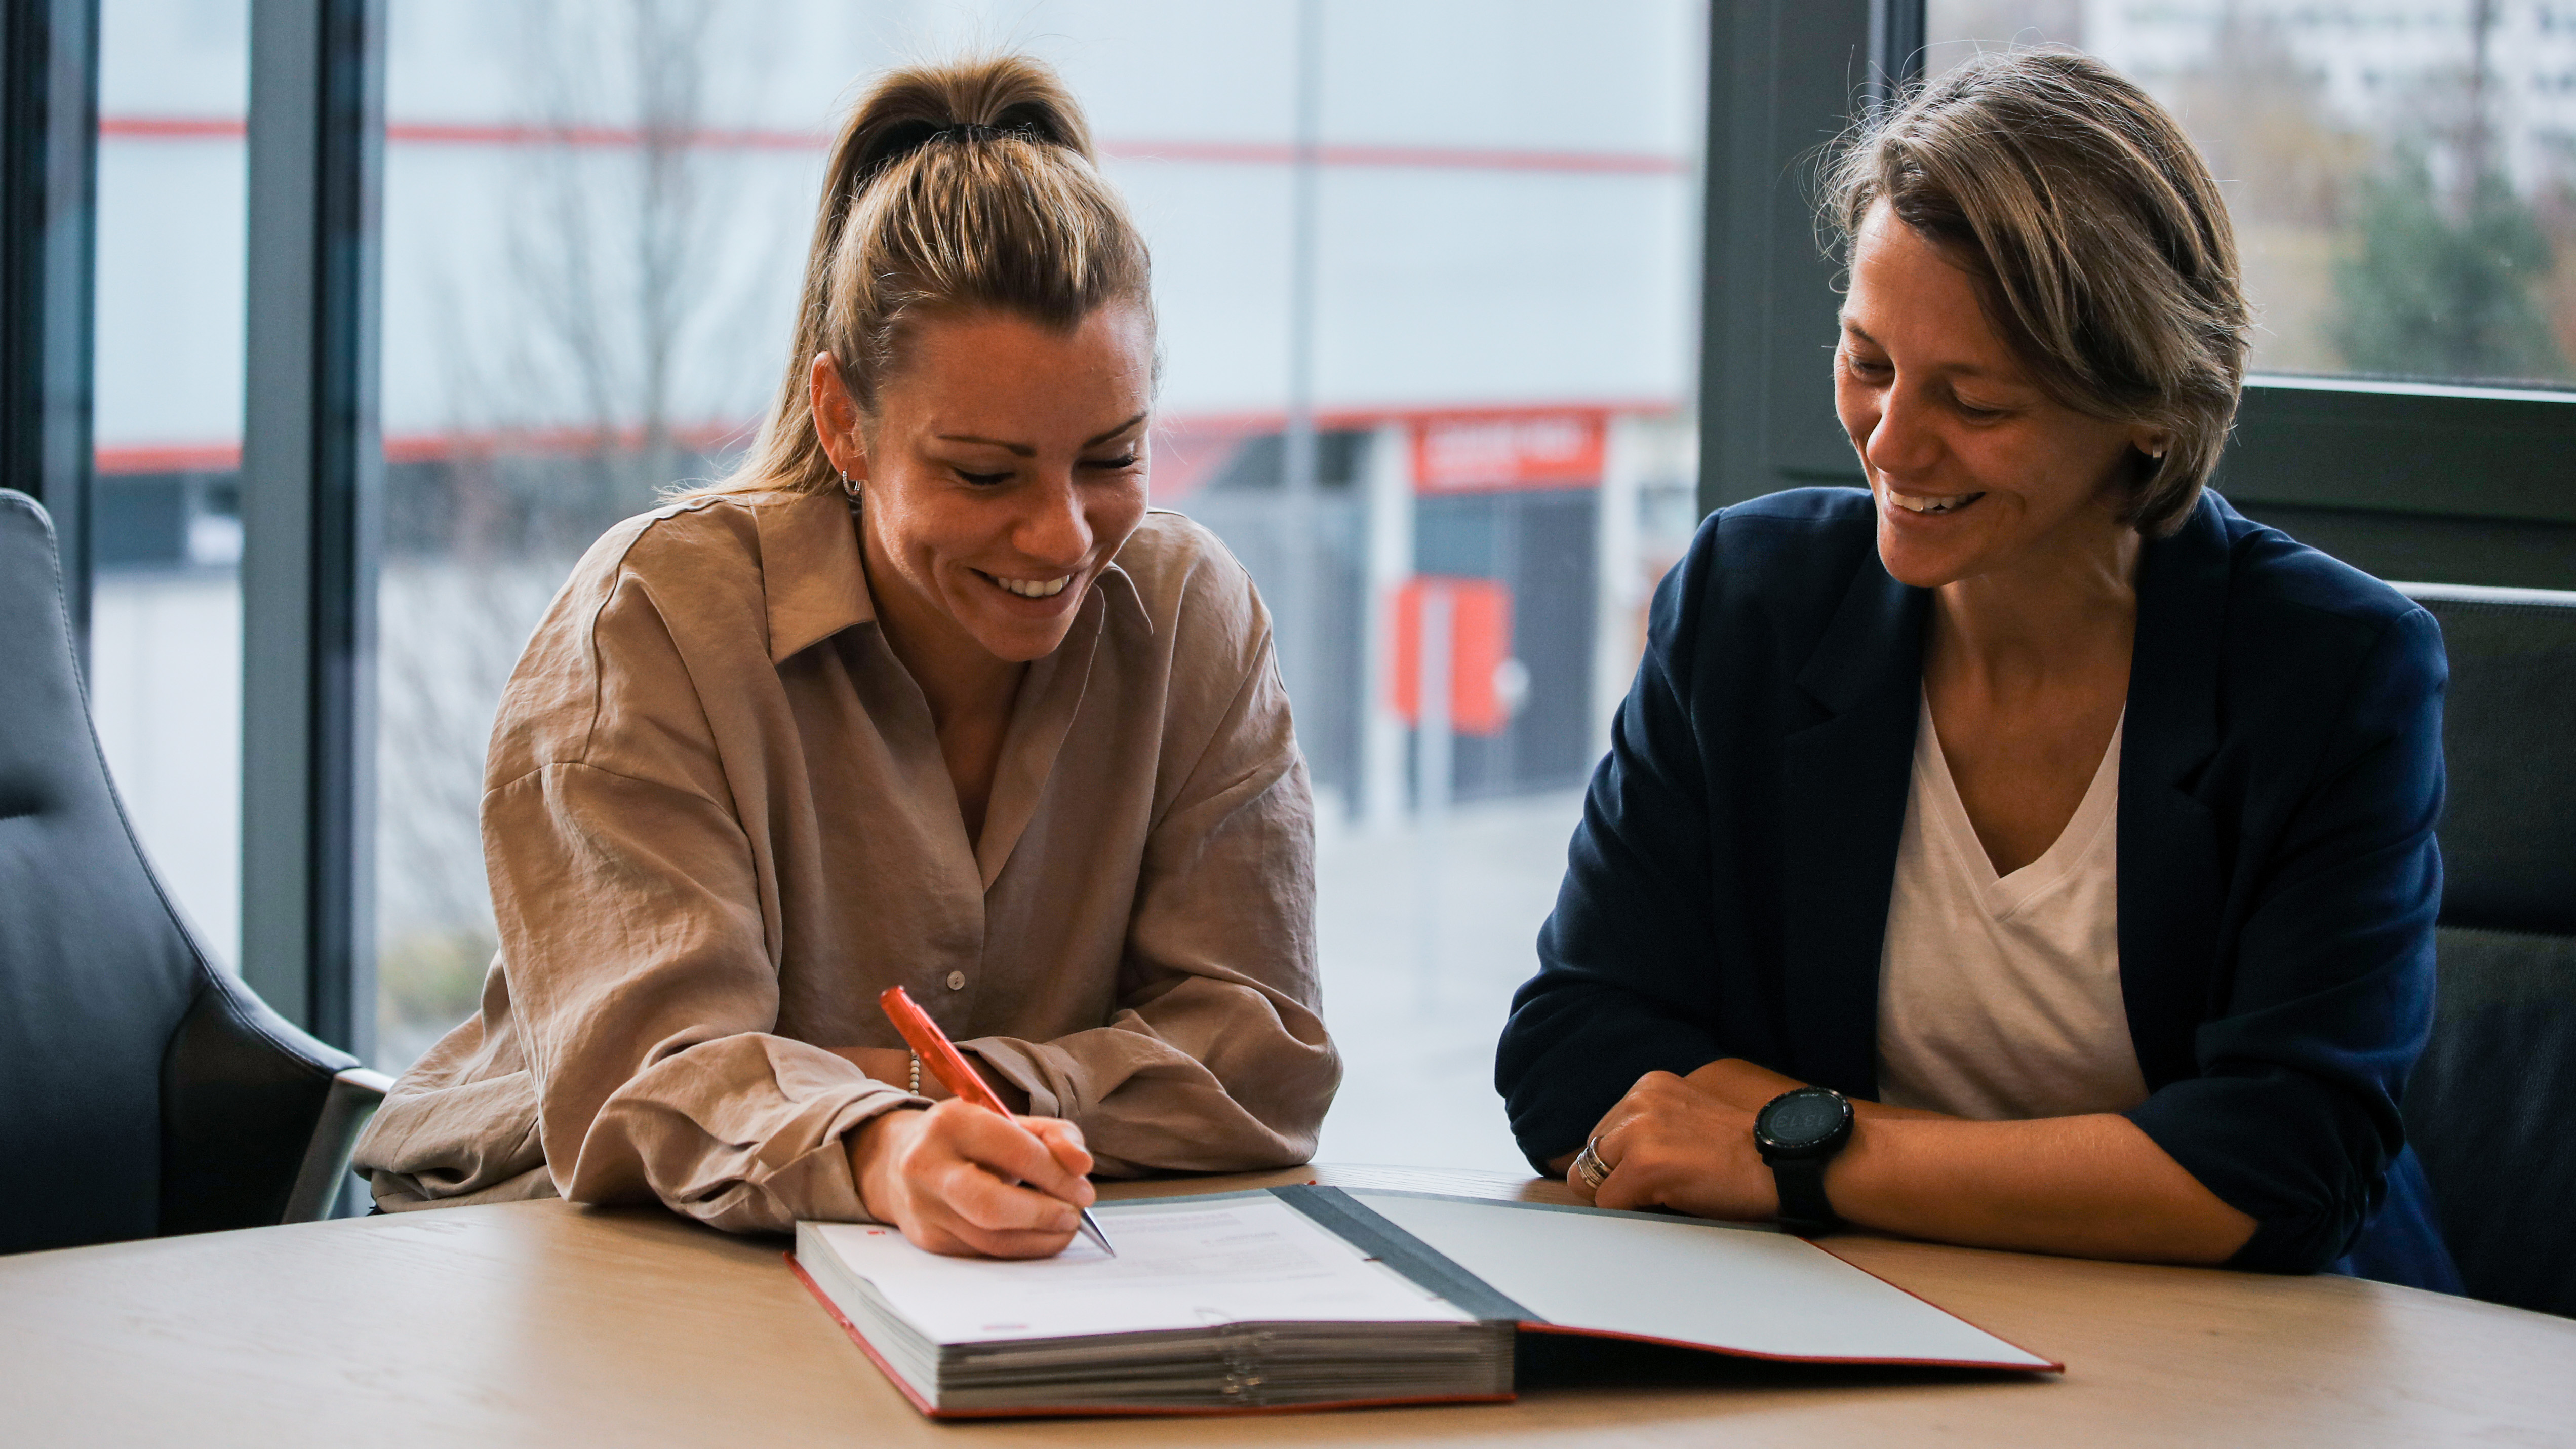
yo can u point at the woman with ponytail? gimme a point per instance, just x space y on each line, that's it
921 695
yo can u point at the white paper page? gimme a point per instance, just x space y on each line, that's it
1691 1282
1178 1266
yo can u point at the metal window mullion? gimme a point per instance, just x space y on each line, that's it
311 491
1783 78
48 230
1896 40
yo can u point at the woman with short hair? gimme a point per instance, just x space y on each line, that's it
922 695
2031 852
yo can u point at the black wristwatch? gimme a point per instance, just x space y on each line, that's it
1798 1133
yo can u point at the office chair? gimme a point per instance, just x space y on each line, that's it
2491 1103
144 1091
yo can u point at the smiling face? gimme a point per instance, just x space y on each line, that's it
1004 469
1977 471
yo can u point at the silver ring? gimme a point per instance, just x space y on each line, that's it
1589 1166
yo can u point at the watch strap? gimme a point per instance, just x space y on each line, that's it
1804 1208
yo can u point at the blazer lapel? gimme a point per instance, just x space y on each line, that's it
1842 809
2169 885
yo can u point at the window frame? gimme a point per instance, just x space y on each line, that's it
312 488
48 251
311 464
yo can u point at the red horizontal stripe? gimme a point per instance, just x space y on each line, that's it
169 458
1209 153
173 128
1346 419
225 456
1426 158
462 133
435 447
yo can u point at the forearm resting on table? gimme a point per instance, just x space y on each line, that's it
2092 1187
1749 1085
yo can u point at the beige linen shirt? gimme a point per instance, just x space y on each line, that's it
718 824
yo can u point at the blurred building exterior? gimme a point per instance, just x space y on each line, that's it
2402 174
1426 275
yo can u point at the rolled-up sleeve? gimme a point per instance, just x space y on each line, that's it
2293 1118
646 998
627 1046
1215 1058
718 824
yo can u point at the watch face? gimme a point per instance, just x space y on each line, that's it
1802 1119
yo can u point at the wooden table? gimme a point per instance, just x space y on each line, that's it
541 1324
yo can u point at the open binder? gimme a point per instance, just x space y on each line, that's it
1315 1297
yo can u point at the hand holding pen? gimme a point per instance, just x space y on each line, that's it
967 1177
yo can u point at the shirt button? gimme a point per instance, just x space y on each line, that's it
956 980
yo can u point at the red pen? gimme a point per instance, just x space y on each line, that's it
950 1066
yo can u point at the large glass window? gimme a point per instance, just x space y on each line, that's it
1426 274
165 632
2402 173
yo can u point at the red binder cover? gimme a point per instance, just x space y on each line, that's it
1094 1411
1386 1242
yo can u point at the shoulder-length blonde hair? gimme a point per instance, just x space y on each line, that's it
952 188
2097 238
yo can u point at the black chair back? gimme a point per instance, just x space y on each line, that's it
143 1090
2490 1104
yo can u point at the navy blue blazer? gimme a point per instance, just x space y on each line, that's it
2280 775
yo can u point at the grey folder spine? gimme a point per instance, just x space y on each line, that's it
1417 1260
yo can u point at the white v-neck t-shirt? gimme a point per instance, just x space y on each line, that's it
1999 998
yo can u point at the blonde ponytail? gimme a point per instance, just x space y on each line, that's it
952 188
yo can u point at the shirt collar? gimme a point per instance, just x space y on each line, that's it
817 583
810 569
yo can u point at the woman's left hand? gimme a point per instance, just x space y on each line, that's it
1676 1144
